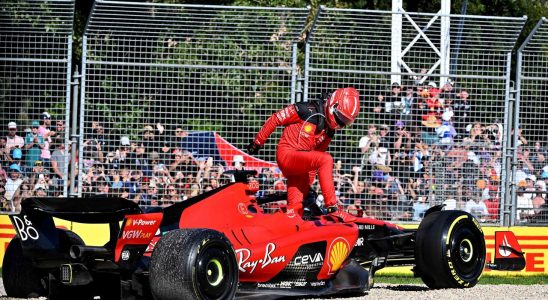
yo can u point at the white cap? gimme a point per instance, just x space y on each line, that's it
468 127
446 116
363 141
532 177
46 115
12 125
124 141
238 158
432 84
39 186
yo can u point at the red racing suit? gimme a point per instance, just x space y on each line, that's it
301 150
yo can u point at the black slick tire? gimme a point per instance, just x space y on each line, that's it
21 278
193 264
450 250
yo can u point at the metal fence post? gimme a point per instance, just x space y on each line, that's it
74 133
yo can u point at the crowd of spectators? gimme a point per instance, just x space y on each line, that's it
424 145
427 145
31 161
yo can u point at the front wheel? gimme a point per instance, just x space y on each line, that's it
450 250
193 264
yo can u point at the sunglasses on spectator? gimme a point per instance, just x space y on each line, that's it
12 129
35 127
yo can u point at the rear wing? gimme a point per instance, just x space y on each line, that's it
36 229
508 254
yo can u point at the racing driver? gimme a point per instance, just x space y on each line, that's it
309 128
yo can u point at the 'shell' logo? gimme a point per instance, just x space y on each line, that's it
338 252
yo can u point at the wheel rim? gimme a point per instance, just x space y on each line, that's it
466 255
214 272
466 250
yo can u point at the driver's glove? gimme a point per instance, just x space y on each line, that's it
336 212
253 148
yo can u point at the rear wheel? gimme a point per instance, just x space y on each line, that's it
21 278
450 250
193 264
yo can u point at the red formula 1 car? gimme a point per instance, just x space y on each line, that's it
221 245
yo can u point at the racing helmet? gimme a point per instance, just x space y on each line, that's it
342 107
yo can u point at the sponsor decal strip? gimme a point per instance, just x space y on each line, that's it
523 237
490 246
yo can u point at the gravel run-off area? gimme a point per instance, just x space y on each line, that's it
415 291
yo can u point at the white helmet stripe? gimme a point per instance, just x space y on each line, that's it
356 99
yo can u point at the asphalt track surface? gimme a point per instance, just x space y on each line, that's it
416 291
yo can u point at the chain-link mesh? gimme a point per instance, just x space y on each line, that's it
531 176
170 90
35 64
432 137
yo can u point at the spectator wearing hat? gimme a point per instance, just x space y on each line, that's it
368 142
238 162
14 141
446 132
34 143
13 182
45 131
122 151
40 190
151 138
385 138
448 95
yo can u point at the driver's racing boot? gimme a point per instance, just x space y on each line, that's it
334 211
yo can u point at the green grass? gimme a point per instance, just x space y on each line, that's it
485 279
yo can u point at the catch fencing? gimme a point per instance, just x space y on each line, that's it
155 73
35 75
161 79
437 68
530 166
